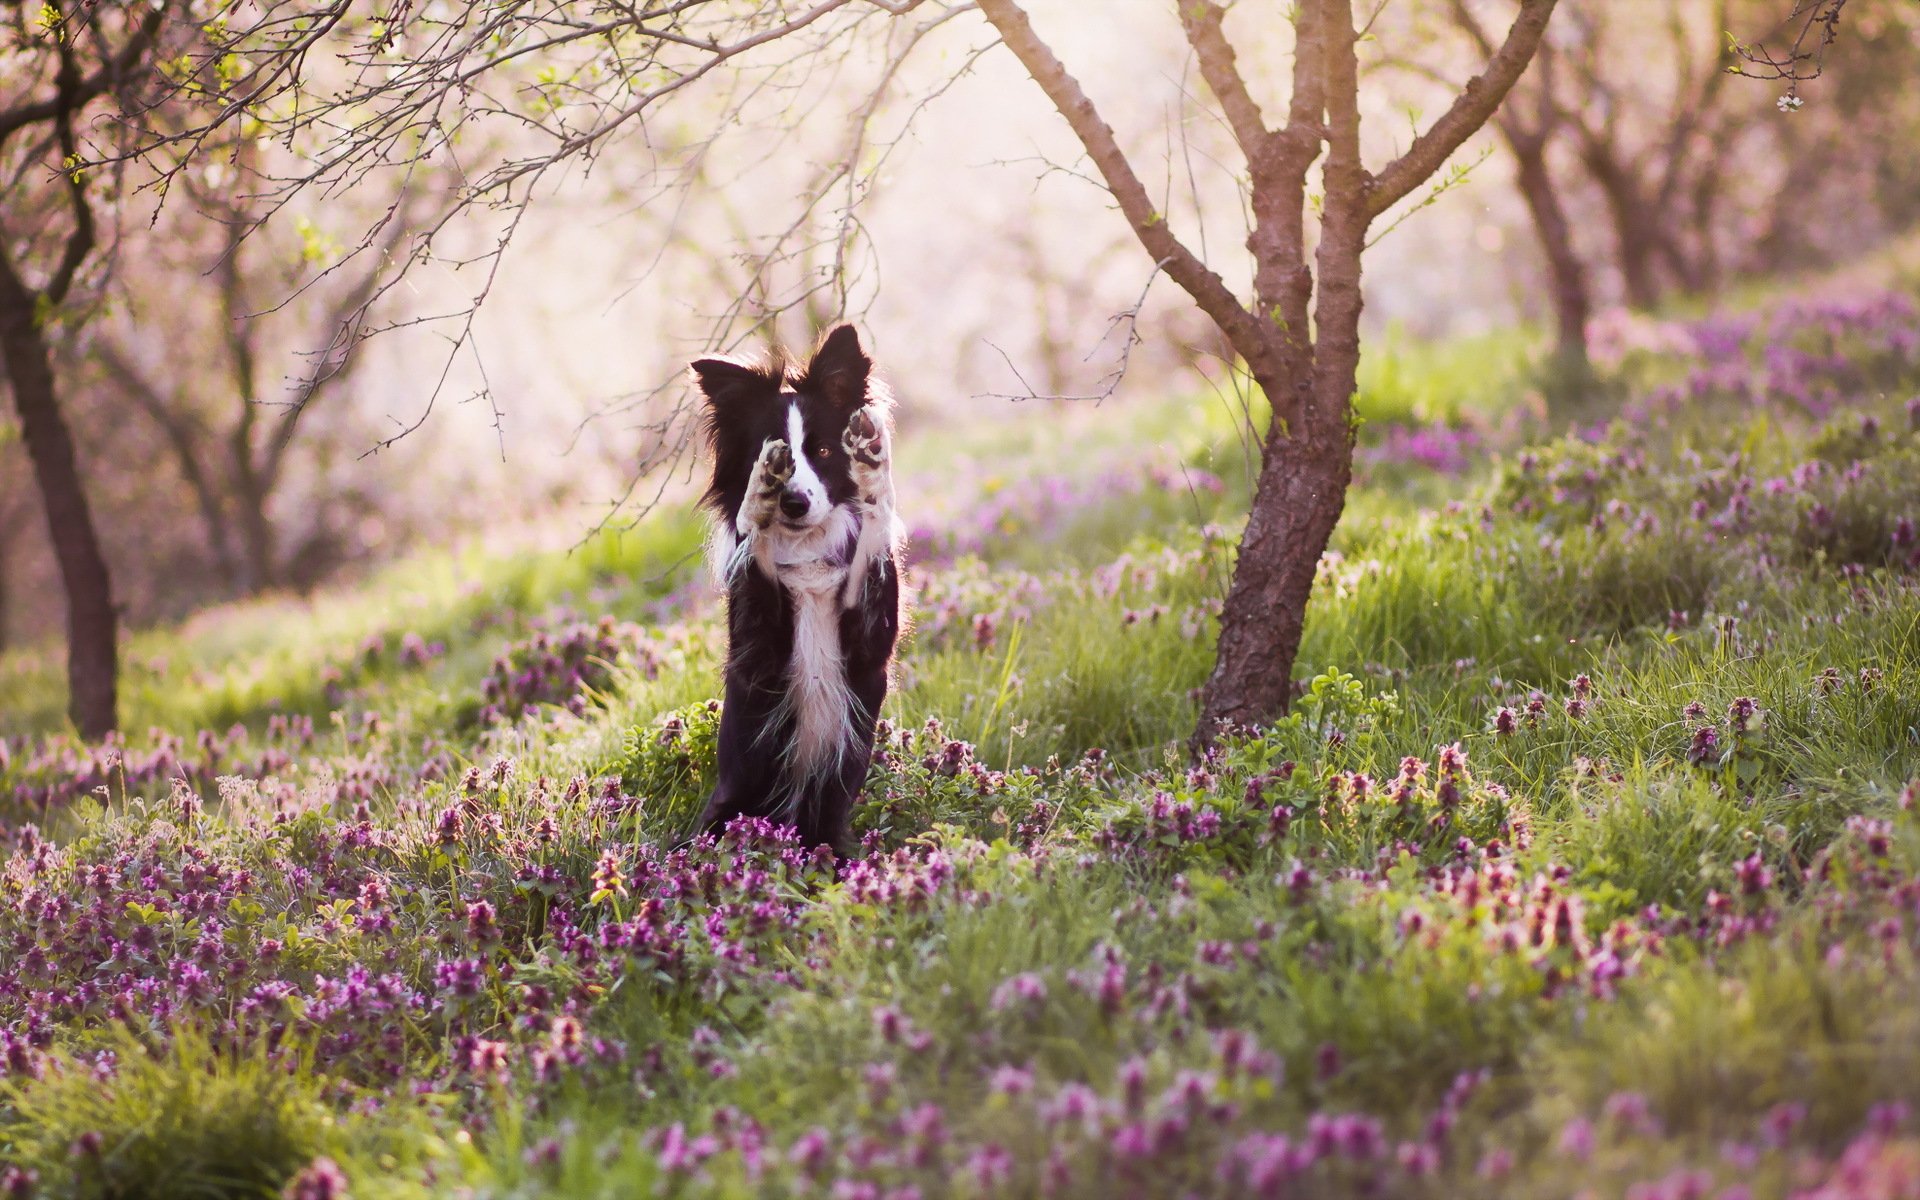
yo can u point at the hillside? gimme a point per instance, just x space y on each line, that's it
1585 860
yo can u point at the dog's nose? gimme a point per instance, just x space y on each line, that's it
794 505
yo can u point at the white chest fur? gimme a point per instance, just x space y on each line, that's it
811 567
818 697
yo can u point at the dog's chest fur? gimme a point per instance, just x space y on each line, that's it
812 570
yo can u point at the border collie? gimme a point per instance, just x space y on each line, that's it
807 545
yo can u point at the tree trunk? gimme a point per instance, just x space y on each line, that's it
259 564
252 482
1301 492
92 647
1566 275
1308 460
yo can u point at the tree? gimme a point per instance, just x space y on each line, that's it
1657 152
60 64
1626 124
1300 339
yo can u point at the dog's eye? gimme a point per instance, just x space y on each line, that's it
822 451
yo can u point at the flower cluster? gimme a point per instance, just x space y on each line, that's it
566 665
52 772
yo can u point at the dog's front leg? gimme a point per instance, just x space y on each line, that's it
770 474
870 447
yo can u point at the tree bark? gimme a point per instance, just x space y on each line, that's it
1297 502
92 623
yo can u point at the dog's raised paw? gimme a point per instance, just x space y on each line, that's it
770 474
776 464
866 438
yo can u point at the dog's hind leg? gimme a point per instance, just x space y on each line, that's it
754 726
867 635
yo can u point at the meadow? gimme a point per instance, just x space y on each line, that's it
1585 863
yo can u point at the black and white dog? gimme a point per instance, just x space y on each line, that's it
806 543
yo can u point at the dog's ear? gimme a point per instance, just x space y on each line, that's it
727 382
839 369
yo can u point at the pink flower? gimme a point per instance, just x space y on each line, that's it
321 1179
1009 1080
992 1167
810 1151
1576 1139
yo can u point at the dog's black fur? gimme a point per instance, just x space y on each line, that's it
808 546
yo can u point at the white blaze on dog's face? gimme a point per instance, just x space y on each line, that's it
804 502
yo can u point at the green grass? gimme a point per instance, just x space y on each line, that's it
1409 380
188 1121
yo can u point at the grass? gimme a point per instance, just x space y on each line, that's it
188 1120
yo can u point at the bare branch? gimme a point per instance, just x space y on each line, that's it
1206 287
1470 110
1109 383
1818 27
1201 21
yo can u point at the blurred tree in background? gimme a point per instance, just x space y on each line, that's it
60 173
1647 172
210 384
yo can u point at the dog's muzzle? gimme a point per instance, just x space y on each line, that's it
794 505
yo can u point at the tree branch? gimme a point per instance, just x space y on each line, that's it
1201 21
79 244
1476 102
112 69
1208 290
344 322
1819 19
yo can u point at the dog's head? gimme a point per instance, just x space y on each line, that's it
749 403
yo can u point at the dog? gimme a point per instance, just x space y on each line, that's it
807 545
